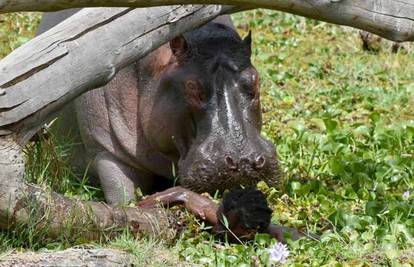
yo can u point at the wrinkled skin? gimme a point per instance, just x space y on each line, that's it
192 105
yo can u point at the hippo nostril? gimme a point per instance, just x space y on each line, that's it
259 162
230 163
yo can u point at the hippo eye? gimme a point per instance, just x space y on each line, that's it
194 94
191 85
251 84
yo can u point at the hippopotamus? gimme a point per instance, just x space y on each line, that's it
189 113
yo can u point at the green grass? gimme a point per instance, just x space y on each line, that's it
343 123
16 29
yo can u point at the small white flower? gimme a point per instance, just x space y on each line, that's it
406 195
278 253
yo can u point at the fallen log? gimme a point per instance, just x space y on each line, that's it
393 20
85 52
39 78
82 53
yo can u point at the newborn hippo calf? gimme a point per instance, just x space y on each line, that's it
191 105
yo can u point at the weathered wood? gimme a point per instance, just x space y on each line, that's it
57 215
393 20
69 257
82 53
37 79
85 52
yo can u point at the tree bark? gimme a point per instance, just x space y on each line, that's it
85 52
82 53
69 257
393 20
39 78
21 202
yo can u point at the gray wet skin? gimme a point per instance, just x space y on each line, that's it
194 103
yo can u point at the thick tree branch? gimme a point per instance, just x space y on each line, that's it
85 52
393 20
56 215
39 78
82 53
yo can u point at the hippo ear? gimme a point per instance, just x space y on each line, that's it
179 46
247 41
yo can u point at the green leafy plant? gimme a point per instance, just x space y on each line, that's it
343 123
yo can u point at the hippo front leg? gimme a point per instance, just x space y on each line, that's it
118 180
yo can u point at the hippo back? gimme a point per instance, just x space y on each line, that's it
192 103
51 19
95 121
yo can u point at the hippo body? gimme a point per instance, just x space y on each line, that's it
191 105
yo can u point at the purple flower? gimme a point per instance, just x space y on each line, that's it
406 195
278 253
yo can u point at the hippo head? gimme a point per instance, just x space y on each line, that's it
208 97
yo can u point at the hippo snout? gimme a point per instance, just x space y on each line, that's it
208 171
255 162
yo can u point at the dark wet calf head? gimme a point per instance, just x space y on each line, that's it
246 211
210 95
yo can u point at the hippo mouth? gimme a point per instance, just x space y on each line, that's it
208 176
